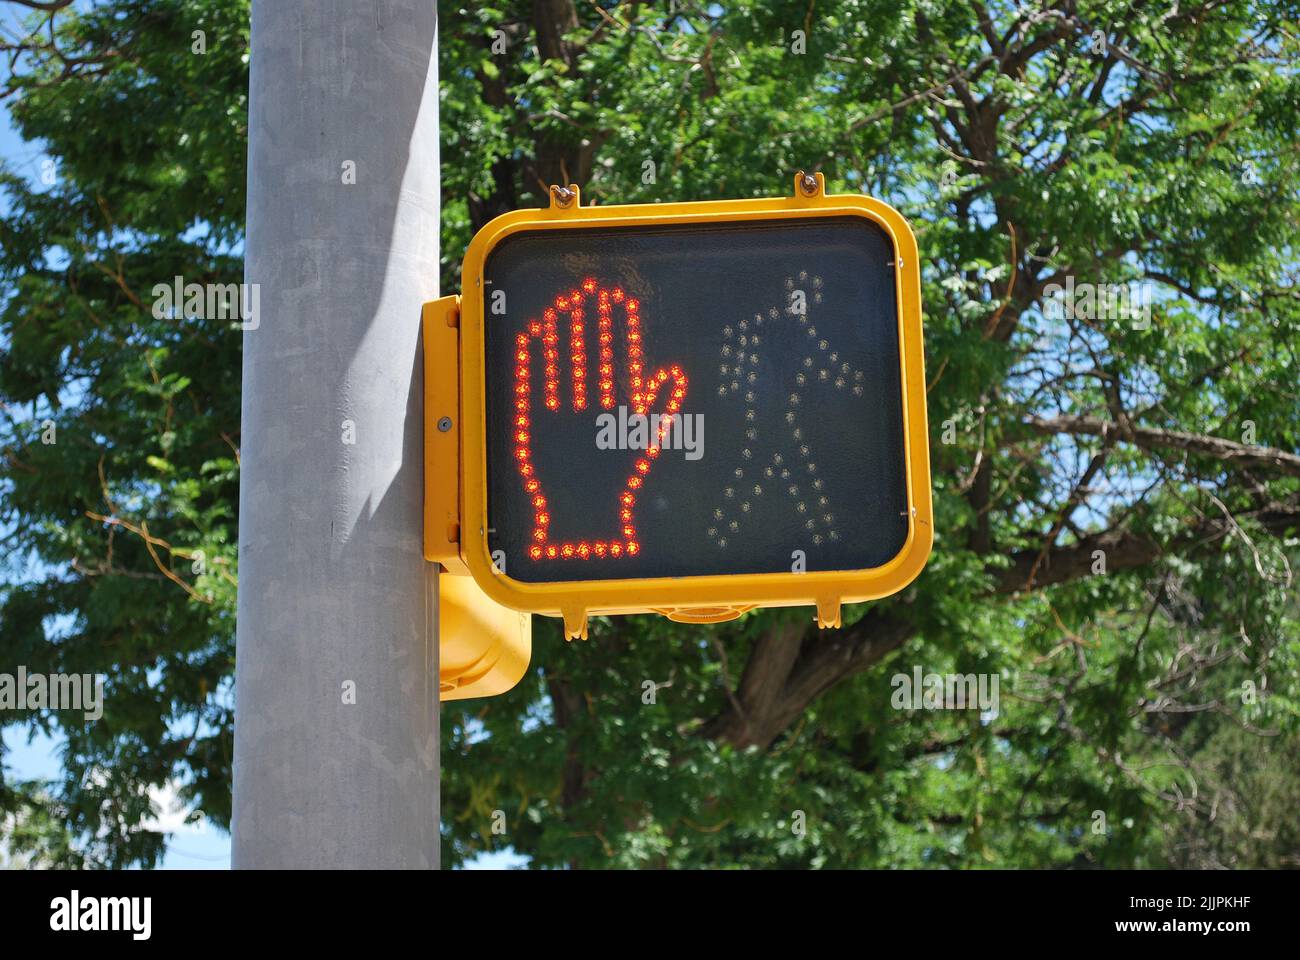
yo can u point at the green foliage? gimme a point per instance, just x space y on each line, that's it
1254 823
1022 154
121 533
1023 148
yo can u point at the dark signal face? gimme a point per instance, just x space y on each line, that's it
682 401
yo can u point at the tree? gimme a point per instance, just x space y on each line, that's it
119 483
1117 496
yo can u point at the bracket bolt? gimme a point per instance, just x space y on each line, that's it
808 183
444 424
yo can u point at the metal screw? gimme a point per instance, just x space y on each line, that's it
563 196
444 424
808 183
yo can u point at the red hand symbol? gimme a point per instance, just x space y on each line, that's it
644 389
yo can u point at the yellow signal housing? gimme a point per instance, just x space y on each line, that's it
456 500
483 647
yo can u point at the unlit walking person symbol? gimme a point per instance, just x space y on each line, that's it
783 462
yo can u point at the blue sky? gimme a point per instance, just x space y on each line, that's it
191 847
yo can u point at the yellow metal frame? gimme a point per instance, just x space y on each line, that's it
441 342
483 647
690 599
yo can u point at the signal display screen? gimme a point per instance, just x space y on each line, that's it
678 401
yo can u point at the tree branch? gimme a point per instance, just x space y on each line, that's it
1229 452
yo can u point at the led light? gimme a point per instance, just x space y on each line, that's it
645 391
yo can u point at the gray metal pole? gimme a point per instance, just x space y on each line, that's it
336 693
